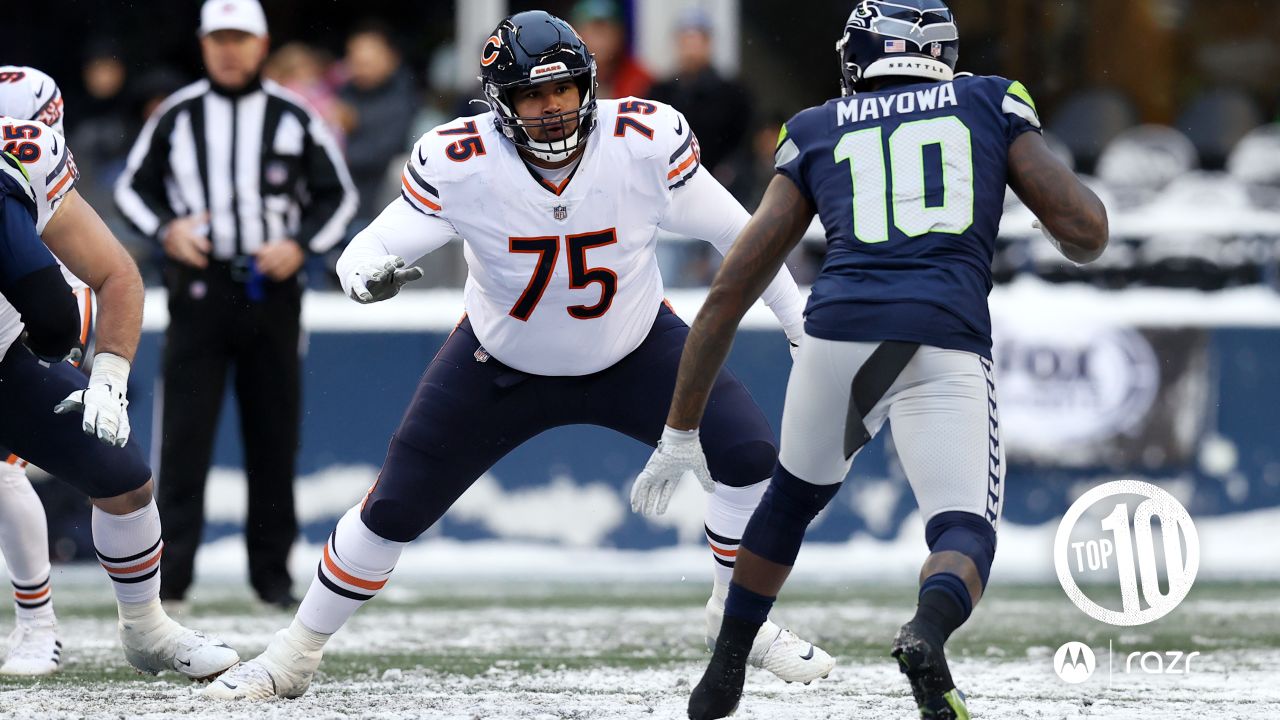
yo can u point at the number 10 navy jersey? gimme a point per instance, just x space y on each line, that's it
909 183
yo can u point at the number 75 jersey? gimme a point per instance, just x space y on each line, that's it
562 277
909 183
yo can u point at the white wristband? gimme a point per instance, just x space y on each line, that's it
672 436
110 370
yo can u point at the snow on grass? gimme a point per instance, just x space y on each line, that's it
556 648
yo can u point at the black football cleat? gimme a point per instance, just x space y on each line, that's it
920 657
718 693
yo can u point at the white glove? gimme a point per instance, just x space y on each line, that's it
1049 236
103 403
679 454
379 280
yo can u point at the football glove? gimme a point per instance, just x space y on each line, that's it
104 407
380 280
678 455
1052 240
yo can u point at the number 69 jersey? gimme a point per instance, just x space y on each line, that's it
562 278
909 183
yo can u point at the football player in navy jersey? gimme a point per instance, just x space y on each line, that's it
907 172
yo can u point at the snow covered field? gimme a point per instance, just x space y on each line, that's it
542 644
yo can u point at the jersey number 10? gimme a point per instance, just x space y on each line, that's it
903 182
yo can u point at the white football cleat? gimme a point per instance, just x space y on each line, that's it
283 670
34 649
776 649
155 642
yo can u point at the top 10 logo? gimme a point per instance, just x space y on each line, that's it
1107 542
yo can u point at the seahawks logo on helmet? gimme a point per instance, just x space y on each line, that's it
898 38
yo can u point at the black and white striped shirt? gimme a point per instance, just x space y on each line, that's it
261 162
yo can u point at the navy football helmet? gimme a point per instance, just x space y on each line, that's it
898 38
531 48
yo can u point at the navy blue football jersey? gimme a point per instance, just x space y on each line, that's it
909 183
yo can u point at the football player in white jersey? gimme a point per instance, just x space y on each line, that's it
558 197
77 428
34 646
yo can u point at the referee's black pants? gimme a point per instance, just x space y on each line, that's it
219 322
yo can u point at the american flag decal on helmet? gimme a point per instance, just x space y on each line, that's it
895 45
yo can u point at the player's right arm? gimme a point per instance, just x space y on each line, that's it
373 265
751 264
1070 214
774 230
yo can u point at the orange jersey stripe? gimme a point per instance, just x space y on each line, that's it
136 568
31 596
722 552
348 578
65 177
687 162
424 201
87 316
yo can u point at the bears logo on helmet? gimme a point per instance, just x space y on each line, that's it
531 48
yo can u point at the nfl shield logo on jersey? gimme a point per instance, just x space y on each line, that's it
560 212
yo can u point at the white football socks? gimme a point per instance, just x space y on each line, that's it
728 511
355 565
24 542
129 548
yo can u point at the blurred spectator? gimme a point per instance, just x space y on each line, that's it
102 125
382 103
304 70
719 110
152 88
599 22
750 172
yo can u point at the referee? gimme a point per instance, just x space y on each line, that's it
237 179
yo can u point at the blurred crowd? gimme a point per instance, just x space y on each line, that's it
1224 148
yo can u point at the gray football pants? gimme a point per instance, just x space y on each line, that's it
941 405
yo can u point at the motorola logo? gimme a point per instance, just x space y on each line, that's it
1074 662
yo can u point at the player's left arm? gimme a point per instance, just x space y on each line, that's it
84 243
703 208
79 238
749 267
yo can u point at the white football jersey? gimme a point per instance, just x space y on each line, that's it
561 280
26 92
52 173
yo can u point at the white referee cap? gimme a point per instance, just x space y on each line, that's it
243 15
28 94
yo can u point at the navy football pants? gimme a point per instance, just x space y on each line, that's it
29 390
468 413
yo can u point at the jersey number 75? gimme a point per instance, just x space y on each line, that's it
580 275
